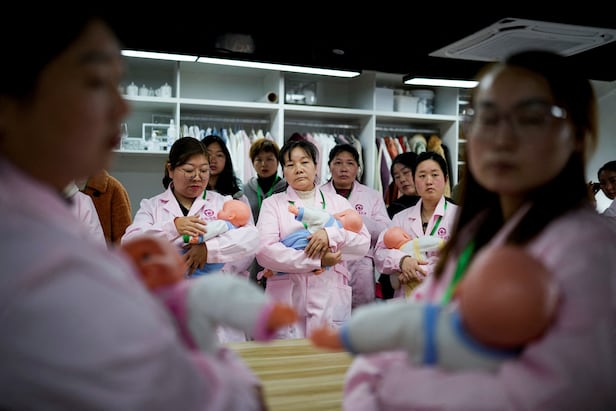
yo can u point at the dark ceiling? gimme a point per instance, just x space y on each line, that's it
370 41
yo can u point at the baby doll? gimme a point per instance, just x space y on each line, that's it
313 220
505 301
397 238
200 305
233 214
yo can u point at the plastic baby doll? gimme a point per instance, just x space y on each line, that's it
200 305
234 213
313 220
505 301
396 237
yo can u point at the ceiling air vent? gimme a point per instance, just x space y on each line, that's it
511 35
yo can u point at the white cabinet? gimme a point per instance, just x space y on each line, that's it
219 96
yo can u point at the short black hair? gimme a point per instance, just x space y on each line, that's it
431 155
307 146
407 159
339 148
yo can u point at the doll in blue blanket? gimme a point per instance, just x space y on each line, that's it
313 220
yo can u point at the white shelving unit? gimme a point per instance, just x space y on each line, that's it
203 93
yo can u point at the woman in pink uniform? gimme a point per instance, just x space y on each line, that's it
85 210
344 168
431 218
80 330
186 207
531 125
316 279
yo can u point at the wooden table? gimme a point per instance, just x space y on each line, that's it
297 376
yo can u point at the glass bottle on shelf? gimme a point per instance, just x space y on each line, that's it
171 134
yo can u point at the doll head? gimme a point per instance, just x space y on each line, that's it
350 219
159 263
236 212
507 297
395 238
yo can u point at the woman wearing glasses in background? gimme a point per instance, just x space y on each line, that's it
184 208
530 130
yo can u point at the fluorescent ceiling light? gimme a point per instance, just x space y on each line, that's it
420 81
242 63
158 56
280 67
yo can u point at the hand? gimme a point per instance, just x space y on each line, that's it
330 258
190 225
326 337
293 209
593 187
195 257
158 262
410 270
318 244
266 273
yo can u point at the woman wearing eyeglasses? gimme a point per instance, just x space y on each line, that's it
532 126
184 209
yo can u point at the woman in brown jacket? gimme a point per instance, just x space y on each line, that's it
112 204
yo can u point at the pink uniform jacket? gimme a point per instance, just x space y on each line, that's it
572 367
370 205
82 332
236 248
83 207
318 298
388 261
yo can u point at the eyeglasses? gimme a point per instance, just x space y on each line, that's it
191 174
528 120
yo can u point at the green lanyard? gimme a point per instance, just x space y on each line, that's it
438 222
465 257
269 193
322 198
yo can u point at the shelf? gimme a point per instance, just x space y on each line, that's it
204 94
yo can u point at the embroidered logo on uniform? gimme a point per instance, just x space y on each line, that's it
359 208
442 232
209 213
